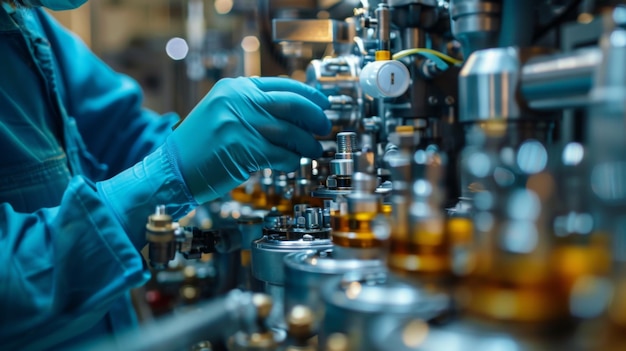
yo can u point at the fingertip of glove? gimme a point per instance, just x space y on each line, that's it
325 126
320 99
318 152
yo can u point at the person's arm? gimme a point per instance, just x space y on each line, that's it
64 266
107 105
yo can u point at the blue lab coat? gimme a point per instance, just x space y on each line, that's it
69 254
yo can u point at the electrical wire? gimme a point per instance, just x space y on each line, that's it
417 51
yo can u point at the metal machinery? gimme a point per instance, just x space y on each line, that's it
472 196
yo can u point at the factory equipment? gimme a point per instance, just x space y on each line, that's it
471 195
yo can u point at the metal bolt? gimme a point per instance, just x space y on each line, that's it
300 321
263 304
337 342
449 100
433 100
346 142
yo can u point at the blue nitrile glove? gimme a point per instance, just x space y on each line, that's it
244 125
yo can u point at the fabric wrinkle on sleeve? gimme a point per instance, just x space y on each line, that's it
64 268
134 194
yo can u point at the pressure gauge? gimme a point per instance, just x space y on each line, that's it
384 79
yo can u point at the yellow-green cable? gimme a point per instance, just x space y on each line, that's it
408 52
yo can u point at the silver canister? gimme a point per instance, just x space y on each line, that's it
307 271
373 309
282 236
267 266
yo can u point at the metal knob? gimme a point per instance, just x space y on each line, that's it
263 304
300 323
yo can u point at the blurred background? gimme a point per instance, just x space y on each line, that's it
150 40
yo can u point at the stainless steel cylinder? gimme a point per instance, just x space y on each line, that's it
267 266
488 84
362 203
373 309
475 23
342 167
268 254
307 271
364 183
414 38
383 18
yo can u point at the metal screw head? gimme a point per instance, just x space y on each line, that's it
263 304
433 100
189 292
189 272
337 342
300 321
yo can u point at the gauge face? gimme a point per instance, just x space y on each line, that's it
385 79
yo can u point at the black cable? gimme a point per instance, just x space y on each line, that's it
558 19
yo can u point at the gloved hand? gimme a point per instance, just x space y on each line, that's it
244 125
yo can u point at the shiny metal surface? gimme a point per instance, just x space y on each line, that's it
307 271
370 307
383 26
211 320
561 80
338 78
268 254
268 267
346 142
488 85
475 23
342 167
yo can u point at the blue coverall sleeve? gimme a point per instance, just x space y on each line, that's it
64 266
46 298
107 105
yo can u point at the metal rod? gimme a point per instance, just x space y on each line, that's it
218 318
